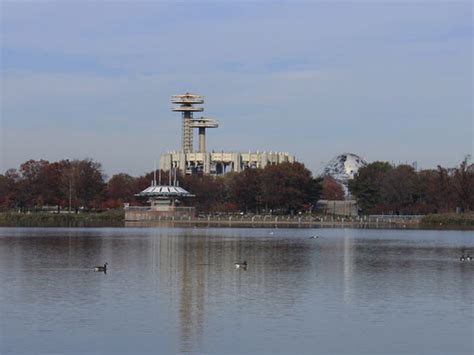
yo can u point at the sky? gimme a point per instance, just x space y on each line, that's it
387 80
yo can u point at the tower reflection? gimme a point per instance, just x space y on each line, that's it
198 272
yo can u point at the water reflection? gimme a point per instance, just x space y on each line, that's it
199 270
178 290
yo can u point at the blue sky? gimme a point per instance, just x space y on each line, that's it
388 80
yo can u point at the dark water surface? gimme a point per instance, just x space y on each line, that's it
172 290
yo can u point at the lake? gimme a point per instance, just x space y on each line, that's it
171 290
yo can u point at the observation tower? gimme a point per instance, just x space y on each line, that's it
202 123
188 161
187 107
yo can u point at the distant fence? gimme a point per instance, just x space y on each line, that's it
393 218
143 213
338 208
280 220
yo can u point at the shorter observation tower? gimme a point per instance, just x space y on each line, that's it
202 123
187 107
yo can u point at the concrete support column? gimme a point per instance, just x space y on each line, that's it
187 139
207 163
237 162
202 139
181 161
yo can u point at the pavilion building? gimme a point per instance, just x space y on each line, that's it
163 201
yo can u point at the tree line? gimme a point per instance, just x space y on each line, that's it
382 188
82 185
379 188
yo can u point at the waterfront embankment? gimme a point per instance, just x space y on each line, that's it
269 221
116 218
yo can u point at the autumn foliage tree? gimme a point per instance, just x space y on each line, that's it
382 188
398 191
284 188
331 189
245 189
39 183
121 189
210 192
289 186
464 185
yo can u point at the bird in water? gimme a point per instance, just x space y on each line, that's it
101 268
462 258
314 237
468 258
241 265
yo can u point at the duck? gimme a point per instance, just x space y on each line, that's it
314 237
462 258
101 268
469 258
241 265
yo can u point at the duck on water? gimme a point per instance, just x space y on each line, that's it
101 268
241 265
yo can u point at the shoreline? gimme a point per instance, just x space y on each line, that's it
286 224
115 218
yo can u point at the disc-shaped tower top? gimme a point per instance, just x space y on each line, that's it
186 106
187 98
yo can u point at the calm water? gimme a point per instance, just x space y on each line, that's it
177 290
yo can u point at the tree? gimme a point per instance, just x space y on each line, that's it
119 189
367 185
288 187
314 191
50 182
398 190
32 181
445 192
463 183
331 189
90 184
210 193
68 183
427 191
82 183
245 189
6 192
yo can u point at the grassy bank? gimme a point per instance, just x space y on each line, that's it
41 219
465 220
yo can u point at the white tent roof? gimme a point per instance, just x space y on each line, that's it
165 190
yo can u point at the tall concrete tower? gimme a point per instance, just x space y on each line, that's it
202 123
187 102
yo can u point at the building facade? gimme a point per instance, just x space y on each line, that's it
219 163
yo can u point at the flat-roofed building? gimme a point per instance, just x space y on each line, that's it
219 163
